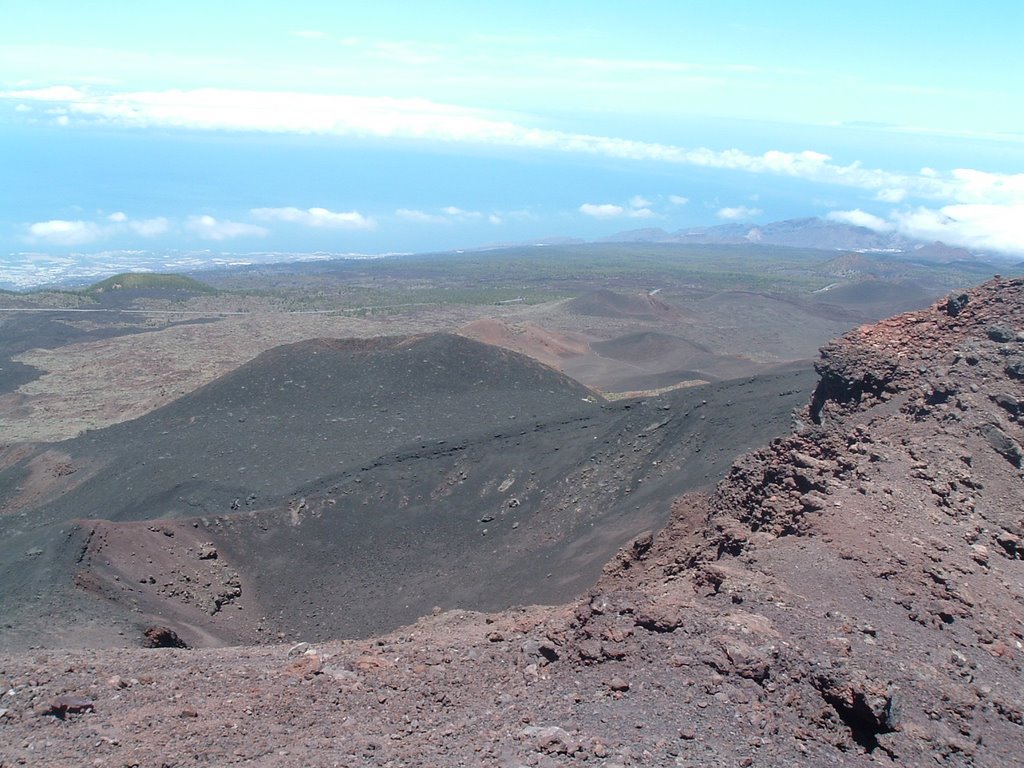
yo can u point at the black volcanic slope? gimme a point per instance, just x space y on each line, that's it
605 303
875 296
662 352
649 345
302 411
351 486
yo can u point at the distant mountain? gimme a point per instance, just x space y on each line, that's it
722 233
646 235
941 253
797 233
550 240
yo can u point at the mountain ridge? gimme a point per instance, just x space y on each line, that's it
810 232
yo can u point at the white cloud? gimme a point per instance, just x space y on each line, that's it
63 232
69 233
420 119
459 213
602 210
637 209
980 226
420 216
859 218
150 227
23 108
424 120
971 186
55 93
678 199
494 218
209 228
891 195
739 212
971 225
289 112
316 217
414 215
448 215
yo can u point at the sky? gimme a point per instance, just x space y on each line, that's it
197 131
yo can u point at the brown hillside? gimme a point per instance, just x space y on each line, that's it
530 339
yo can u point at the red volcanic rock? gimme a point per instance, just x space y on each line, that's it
162 637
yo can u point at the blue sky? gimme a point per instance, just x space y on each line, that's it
313 126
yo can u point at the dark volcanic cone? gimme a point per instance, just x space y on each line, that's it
657 352
349 486
605 303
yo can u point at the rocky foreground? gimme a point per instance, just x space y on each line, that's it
850 595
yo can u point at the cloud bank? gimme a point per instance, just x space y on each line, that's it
984 227
963 206
637 208
738 213
315 217
215 109
976 226
859 218
995 227
450 214
209 228
602 210
62 232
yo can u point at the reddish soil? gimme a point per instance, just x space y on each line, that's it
549 347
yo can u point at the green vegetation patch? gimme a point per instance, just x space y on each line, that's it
142 281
